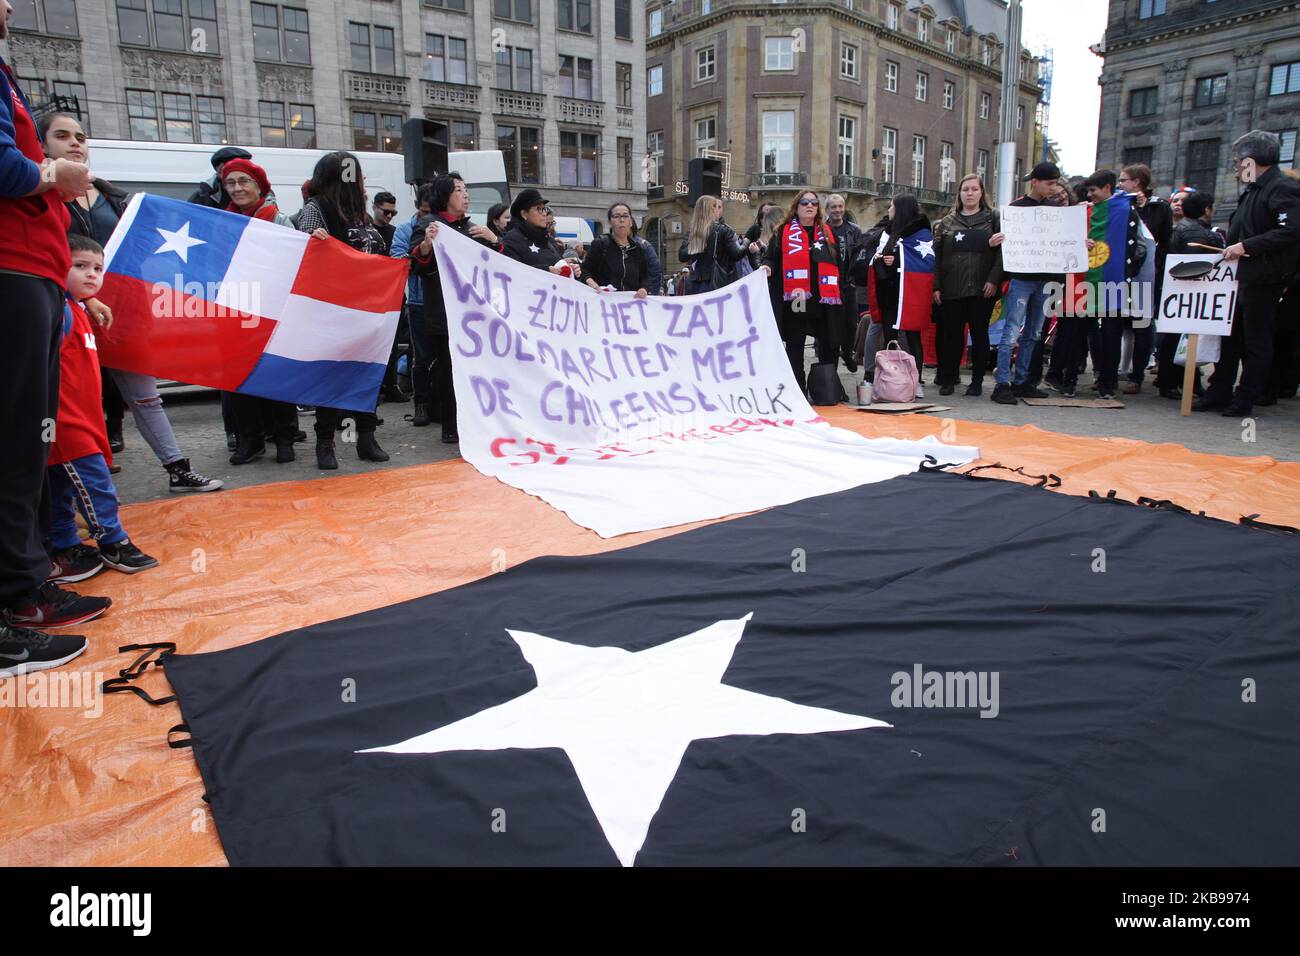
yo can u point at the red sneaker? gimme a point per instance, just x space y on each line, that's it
55 607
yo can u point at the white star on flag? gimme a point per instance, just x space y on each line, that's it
625 719
178 241
925 249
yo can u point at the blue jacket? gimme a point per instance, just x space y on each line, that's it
401 248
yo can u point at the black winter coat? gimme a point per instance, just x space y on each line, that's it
527 244
435 310
1267 222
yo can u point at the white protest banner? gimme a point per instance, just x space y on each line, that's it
1201 306
1045 239
630 414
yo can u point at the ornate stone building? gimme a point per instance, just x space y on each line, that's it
557 85
1183 78
862 97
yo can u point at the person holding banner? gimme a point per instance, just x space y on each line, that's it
1265 235
448 197
620 260
528 238
967 278
1159 220
803 258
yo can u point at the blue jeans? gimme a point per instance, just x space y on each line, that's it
140 392
84 485
1023 312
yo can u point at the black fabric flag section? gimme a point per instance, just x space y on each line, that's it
932 670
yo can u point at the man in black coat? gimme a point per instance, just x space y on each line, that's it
847 237
449 200
1264 239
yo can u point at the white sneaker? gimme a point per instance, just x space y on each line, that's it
920 391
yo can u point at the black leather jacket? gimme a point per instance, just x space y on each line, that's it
1267 222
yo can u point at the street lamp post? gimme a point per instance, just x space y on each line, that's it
1007 186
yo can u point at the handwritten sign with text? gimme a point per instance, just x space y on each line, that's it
1045 239
1201 306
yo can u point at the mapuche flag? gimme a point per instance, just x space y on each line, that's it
786 688
213 298
1105 281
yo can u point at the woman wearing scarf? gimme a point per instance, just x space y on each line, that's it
338 208
802 259
905 221
249 190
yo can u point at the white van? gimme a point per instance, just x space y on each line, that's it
175 169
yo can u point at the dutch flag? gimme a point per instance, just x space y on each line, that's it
214 298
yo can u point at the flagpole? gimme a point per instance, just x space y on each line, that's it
1007 186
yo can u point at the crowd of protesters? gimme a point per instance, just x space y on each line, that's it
62 416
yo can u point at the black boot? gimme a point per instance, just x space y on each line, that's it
421 417
368 449
248 449
325 459
284 450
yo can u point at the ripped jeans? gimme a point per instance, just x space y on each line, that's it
140 392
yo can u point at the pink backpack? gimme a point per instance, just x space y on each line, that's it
896 375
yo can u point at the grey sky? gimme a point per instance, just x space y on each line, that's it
1068 29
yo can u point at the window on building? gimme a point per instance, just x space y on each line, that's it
654 81
579 153
364 131
950 41
45 16
623 19
982 164
142 112
891 77
515 69
778 141
656 22
169 27
706 134
271 117
1020 117
446 4
705 64
186 25
654 147
390 132
302 126
521 10
1212 90
573 15
918 162
888 153
1138 154
892 16
464 135
922 86
266 31
575 77
446 59
778 53
848 61
521 149
625 163
385 51
923 29
985 102
623 83
1144 102
297 31
1151 8
359 47
845 160
1285 78
178 118
1288 147
986 53
1203 164
947 168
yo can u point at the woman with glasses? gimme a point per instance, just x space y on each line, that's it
528 239
95 215
338 208
803 259
711 248
620 261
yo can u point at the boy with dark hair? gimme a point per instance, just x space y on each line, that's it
79 452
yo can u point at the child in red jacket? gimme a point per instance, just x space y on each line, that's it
79 452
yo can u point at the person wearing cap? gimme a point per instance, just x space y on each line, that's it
1025 306
527 238
1264 241
210 192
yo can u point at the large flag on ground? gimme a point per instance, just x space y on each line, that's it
783 688
213 298
630 414
915 282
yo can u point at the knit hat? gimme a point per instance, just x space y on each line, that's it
251 168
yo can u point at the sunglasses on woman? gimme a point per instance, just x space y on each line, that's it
809 202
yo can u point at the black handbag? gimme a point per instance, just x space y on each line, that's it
824 387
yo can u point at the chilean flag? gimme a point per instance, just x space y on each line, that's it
214 298
915 283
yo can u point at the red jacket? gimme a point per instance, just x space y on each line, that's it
34 235
79 430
